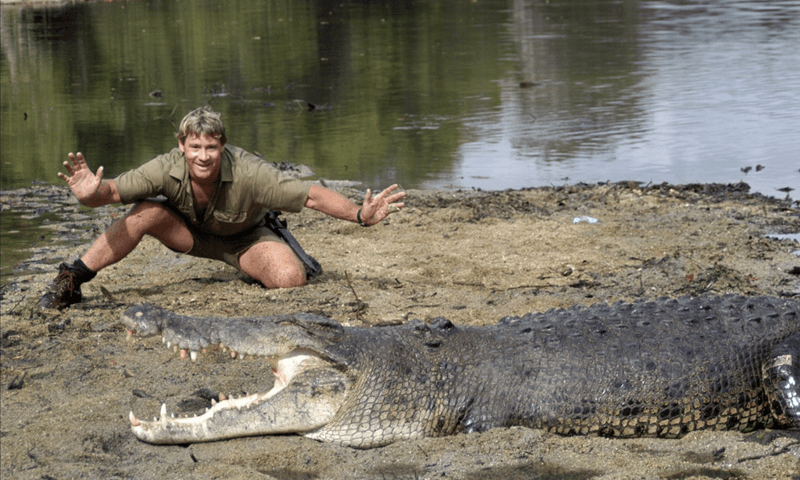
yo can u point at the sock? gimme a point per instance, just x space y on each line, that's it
83 273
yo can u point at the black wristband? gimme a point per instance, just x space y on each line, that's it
358 217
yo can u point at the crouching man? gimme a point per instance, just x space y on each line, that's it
218 201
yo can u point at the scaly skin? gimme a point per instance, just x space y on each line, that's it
658 368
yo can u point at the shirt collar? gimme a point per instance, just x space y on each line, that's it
178 170
226 169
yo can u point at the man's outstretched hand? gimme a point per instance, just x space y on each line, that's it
375 209
83 183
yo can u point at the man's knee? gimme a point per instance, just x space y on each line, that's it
283 275
274 265
295 278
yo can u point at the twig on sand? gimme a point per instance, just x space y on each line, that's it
358 301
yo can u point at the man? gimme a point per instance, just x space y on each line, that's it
217 198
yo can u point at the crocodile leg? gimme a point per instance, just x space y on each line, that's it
781 375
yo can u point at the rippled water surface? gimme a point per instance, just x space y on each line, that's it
489 94
653 91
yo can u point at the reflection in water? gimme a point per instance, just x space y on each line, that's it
576 93
492 94
653 91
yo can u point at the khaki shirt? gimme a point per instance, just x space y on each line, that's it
248 187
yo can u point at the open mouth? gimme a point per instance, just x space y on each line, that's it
283 368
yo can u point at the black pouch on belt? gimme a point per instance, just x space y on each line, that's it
278 225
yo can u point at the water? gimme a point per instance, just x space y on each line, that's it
489 94
652 91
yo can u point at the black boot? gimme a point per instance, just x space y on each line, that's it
66 288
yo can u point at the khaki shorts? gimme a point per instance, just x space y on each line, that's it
229 248
225 248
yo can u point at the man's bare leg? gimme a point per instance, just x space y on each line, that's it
113 245
273 264
147 218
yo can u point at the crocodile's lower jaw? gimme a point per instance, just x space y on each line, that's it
171 429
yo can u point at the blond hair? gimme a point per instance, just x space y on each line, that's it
200 121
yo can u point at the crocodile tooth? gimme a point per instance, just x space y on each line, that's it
169 344
133 419
213 402
193 355
163 339
164 411
233 354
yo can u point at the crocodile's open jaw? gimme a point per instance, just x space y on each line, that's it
226 413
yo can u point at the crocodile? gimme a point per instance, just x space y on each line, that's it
657 368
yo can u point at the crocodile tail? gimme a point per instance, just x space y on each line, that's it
781 375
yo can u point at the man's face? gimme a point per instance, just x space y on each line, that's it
203 155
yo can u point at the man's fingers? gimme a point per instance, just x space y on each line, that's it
395 207
384 199
72 165
390 189
77 161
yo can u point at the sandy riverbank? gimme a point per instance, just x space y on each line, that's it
69 379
